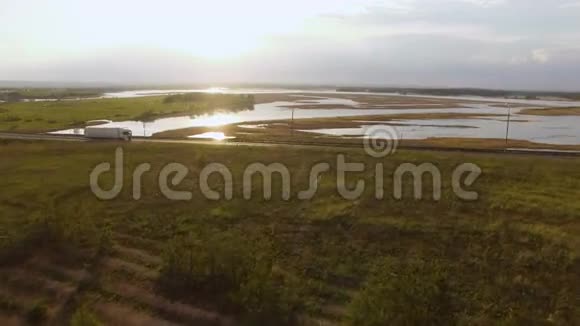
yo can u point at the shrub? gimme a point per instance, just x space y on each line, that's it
235 272
188 97
266 298
10 118
402 293
241 101
37 314
8 304
84 317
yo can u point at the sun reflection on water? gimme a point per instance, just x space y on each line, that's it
212 135
218 119
216 90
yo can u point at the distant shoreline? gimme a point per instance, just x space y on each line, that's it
508 94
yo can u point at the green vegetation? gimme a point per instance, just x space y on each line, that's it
84 317
215 99
45 116
403 293
510 257
37 314
19 94
234 270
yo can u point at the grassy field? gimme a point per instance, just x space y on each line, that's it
18 94
45 116
509 258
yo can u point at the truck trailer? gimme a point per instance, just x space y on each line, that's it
108 133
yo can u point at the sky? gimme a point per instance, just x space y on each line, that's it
517 44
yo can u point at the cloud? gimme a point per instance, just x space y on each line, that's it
485 3
540 55
494 43
570 5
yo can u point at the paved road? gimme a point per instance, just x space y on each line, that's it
77 138
21 136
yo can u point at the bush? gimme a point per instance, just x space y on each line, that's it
266 299
188 97
234 271
8 304
37 314
241 101
402 293
10 118
83 317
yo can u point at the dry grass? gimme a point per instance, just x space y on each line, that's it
488 143
116 314
552 111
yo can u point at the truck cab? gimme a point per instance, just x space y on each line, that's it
127 134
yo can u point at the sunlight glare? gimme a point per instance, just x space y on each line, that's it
212 135
218 119
216 90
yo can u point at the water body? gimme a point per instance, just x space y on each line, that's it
549 130
261 112
330 92
544 129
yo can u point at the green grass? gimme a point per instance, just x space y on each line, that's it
17 94
403 293
84 317
509 257
45 116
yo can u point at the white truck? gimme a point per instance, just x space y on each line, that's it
108 133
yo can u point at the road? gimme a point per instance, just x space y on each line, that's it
78 138
22 136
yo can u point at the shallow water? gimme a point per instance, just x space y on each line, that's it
261 112
550 130
545 129
330 92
